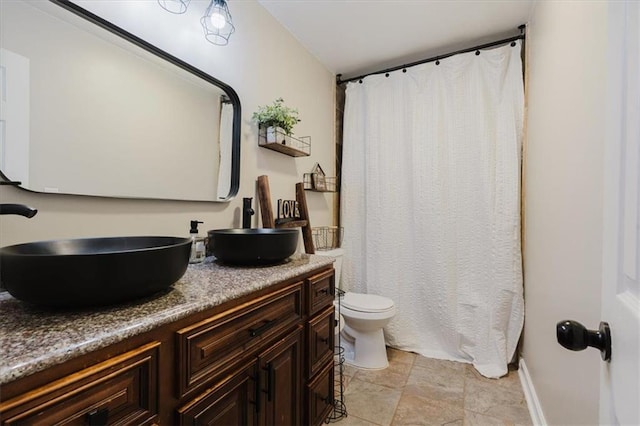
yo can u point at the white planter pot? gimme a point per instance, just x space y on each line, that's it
271 134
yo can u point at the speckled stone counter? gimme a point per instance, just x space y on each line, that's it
32 339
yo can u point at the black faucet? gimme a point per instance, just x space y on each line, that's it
18 209
247 212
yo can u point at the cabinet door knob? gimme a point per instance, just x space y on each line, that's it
574 336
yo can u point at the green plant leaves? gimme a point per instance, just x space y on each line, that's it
278 115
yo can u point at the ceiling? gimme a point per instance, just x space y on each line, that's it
355 37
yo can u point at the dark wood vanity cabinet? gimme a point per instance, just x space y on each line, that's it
262 359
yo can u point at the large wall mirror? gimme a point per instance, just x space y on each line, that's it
90 109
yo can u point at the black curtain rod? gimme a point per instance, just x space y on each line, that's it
436 58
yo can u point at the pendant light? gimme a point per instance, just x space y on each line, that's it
217 23
174 6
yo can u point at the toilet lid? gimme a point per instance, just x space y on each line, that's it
366 302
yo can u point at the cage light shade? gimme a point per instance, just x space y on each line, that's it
217 23
174 6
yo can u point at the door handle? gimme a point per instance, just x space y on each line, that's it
575 336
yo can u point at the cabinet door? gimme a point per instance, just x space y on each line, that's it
280 368
231 403
320 396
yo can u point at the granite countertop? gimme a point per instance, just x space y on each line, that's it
32 338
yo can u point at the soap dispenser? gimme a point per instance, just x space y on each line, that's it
198 251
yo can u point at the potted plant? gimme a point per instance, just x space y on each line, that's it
275 116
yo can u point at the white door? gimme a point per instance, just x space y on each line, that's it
620 378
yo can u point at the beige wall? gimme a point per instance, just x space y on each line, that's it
262 62
563 206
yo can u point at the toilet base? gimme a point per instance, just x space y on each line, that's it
364 350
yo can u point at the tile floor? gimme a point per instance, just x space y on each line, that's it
415 390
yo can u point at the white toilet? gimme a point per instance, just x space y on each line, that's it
364 317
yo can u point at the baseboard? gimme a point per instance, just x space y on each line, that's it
535 409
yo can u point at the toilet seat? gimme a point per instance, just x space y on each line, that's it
366 302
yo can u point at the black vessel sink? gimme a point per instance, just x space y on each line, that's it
256 246
92 271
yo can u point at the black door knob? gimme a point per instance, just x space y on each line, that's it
575 336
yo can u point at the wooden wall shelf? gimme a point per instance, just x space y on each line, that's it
285 144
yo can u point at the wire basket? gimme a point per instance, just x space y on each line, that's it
320 183
327 237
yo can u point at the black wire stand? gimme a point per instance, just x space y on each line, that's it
339 408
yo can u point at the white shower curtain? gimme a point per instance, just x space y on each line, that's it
431 204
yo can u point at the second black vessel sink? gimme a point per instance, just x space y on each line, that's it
255 246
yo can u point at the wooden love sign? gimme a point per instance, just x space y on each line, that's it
288 209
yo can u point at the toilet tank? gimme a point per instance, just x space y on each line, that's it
338 254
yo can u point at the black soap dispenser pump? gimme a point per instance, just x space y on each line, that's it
198 250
